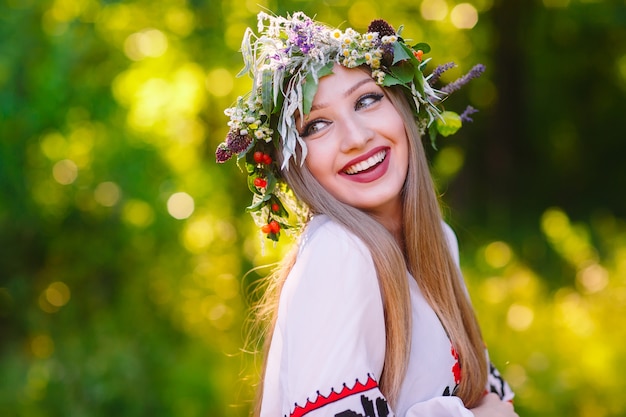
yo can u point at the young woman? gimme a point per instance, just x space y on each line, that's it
369 316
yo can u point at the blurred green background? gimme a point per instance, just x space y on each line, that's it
125 248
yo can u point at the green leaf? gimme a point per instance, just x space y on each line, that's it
401 53
259 204
271 182
308 93
390 80
423 46
449 123
418 80
404 72
326 70
267 91
310 86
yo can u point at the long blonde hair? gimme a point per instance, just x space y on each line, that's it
426 257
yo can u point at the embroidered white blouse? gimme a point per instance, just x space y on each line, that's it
328 346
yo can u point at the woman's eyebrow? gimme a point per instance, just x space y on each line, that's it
345 93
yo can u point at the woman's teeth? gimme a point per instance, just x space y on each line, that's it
367 164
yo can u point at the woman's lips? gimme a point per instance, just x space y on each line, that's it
366 164
368 167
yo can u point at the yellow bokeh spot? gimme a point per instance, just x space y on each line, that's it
219 82
151 101
42 346
571 241
57 294
65 172
434 9
449 161
555 223
198 235
464 16
225 286
146 43
160 102
107 194
180 205
361 13
233 34
188 89
53 145
498 254
572 313
494 290
520 317
186 131
593 278
138 213
180 21
81 141
483 93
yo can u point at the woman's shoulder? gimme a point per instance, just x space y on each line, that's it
330 256
322 234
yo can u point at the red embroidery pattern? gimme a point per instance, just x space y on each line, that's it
334 396
456 368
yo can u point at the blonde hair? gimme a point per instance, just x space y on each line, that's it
426 256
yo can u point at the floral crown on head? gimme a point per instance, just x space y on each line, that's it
286 62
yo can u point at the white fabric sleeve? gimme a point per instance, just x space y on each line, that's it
439 407
330 333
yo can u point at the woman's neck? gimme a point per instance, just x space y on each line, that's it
392 221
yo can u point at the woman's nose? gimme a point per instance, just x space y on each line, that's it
355 133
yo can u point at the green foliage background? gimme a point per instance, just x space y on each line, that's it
125 248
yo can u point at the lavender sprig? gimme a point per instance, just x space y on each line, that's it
460 82
465 116
434 76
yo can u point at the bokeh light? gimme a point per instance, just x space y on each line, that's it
65 172
434 9
107 194
180 205
464 16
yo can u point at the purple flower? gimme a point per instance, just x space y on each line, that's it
302 35
236 142
381 27
434 77
465 116
456 85
223 153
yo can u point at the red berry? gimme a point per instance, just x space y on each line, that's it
418 54
274 226
267 159
266 228
275 208
258 157
260 182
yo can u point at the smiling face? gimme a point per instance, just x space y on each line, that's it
357 144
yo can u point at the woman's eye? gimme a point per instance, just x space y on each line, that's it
313 127
367 100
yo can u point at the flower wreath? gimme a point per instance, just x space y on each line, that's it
286 62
